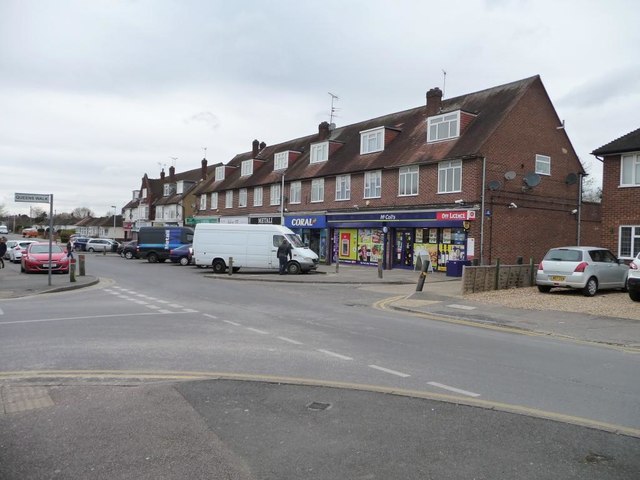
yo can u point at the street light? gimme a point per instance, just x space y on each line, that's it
114 221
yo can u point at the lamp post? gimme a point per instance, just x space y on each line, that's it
114 221
282 200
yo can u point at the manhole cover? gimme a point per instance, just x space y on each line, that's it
318 406
593 457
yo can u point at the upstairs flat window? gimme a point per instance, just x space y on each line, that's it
295 192
371 141
242 197
144 193
443 127
275 194
630 170
219 175
373 184
203 202
450 176
214 201
408 181
257 196
543 165
247 168
281 161
343 187
229 199
319 152
317 190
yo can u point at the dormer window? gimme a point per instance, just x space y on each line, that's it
219 173
281 161
319 152
443 127
169 189
247 168
372 140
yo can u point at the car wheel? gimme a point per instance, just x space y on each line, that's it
184 261
591 287
544 288
152 257
218 266
128 255
634 295
91 249
293 268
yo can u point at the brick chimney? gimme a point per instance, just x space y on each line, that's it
172 173
256 146
262 146
434 101
203 173
323 130
162 174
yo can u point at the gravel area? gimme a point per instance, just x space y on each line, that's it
608 303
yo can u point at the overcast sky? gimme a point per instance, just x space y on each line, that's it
96 93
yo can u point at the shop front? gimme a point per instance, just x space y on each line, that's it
312 229
264 220
402 239
193 221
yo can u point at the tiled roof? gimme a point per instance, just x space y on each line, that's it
627 143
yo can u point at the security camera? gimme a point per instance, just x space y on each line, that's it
574 211
459 201
513 205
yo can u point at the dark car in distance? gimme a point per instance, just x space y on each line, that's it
128 250
182 255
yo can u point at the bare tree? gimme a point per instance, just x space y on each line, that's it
82 212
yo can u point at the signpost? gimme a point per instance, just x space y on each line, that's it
41 198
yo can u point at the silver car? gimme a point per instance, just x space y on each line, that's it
587 268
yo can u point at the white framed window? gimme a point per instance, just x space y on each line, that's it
319 152
629 241
257 196
219 175
295 192
343 187
275 194
203 202
281 161
228 202
144 193
543 165
443 127
214 200
630 170
373 184
247 168
408 181
167 190
372 140
242 197
450 176
317 190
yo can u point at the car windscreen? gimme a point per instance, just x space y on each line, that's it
563 255
45 249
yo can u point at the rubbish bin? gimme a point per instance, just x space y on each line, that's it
454 267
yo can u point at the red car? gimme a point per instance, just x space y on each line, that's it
36 258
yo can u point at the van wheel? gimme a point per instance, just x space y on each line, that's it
152 257
219 266
293 268
184 261
591 287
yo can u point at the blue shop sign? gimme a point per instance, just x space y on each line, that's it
306 221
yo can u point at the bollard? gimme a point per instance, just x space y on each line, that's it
81 264
337 265
380 267
104 252
72 270
423 275
230 266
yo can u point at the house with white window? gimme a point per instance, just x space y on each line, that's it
621 194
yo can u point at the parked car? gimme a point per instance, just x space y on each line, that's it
80 243
16 252
182 254
633 284
128 250
3 230
29 232
101 245
587 268
36 258
635 263
10 244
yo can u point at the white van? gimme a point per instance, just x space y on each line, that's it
250 246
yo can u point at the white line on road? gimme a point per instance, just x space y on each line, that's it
155 307
461 307
392 372
190 310
175 305
290 340
232 323
261 332
91 317
454 389
210 316
1 312
333 354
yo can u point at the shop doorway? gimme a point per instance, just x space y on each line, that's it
403 252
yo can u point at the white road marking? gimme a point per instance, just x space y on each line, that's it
461 307
155 307
392 372
164 301
454 389
290 340
232 323
164 311
261 332
1 312
210 316
333 354
189 310
90 317
175 305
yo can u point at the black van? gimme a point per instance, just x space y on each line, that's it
155 243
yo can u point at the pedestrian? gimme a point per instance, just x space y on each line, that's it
69 249
3 250
284 253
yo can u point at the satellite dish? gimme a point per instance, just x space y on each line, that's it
531 179
571 179
510 175
494 185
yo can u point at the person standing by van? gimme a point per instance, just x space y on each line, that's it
3 250
284 253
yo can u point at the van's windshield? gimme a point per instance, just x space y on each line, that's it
294 240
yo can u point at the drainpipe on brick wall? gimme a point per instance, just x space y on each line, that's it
580 177
484 175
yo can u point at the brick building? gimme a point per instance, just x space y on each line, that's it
621 194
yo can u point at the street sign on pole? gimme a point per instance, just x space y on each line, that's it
32 198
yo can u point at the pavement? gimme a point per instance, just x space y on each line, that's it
119 426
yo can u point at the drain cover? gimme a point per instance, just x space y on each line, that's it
318 406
